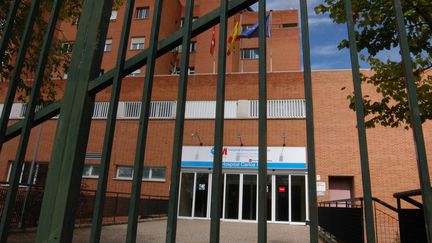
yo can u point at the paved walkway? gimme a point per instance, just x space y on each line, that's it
189 231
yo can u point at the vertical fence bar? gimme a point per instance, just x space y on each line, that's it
10 20
110 126
313 209
13 83
57 219
217 179
28 122
361 127
417 129
142 132
179 126
262 123
14 80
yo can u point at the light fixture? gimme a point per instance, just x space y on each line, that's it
238 136
196 135
284 136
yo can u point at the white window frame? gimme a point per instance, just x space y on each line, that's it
142 12
137 43
108 45
249 54
92 168
136 73
113 16
144 179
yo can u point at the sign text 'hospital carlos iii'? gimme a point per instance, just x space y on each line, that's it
245 157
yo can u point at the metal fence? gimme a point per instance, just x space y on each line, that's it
343 220
27 208
60 199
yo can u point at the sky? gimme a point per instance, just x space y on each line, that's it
325 37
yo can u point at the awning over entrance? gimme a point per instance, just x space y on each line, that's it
245 157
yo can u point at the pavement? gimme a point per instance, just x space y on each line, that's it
188 231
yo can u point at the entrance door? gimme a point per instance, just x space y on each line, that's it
232 196
282 198
194 194
249 202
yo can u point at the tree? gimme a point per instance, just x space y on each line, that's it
58 60
375 32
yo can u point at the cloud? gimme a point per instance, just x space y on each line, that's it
326 50
319 20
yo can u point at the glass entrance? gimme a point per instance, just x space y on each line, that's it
249 202
194 195
286 197
232 195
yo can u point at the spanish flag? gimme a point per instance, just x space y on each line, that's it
233 37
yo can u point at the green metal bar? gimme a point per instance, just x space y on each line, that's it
166 45
110 126
43 115
142 131
417 129
217 177
25 132
8 28
262 123
57 219
179 126
202 24
361 127
310 140
15 77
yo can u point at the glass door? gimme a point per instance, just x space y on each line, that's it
201 195
232 196
249 202
298 198
282 198
186 194
194 194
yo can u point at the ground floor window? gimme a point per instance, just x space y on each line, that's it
35 173
286 196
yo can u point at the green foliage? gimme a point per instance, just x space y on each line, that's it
376 32
58 61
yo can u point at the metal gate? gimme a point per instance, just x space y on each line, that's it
76 107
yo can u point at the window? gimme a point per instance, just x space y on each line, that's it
91 171
192 47
289 25
182 20
142 13
135 73
137 43
125 172
113 15
246 26
249 53
38 173
191 70
149 173
67 47
108 45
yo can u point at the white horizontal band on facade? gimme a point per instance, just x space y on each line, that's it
234 109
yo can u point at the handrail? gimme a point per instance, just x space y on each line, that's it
355 199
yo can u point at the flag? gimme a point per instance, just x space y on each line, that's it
254 30
213 41
233 37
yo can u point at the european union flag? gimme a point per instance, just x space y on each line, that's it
253 30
